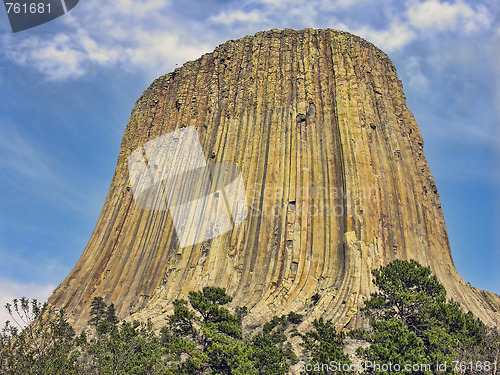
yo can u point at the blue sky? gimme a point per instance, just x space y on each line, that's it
67 89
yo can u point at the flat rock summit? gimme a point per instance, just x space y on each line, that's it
335 182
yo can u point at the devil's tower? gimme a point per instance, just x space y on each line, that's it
334 174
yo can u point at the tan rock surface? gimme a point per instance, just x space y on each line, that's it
336 179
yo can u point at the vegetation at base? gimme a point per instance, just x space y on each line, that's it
323 344
411 322
201 337
45 346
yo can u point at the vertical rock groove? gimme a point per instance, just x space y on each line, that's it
336 185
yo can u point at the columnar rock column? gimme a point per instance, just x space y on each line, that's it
335 176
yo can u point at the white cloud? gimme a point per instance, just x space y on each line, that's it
140 8
444 15
415 79
55 57
231 17
148 35
160 49
139 34
396 36
95 52
11 289
298 4
346 3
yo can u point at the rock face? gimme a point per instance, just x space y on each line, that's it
335 176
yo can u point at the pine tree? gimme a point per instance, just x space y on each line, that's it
98 310
413 323
324 345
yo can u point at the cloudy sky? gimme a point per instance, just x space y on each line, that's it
67 89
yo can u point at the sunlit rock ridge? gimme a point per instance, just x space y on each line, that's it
335 177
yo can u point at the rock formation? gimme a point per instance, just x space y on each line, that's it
335 176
